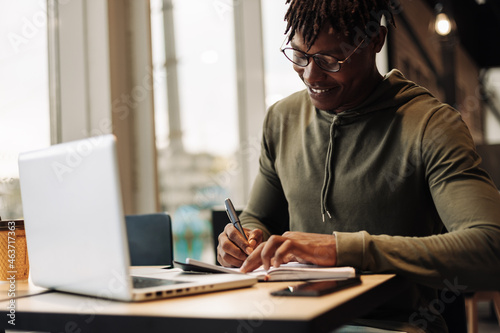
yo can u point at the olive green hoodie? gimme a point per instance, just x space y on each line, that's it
388 178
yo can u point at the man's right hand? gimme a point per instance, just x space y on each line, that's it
233 249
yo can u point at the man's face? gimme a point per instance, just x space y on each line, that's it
346 88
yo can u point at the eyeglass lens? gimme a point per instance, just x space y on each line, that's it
300 58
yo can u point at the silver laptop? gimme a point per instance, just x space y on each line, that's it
75 228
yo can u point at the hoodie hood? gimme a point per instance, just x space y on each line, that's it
393 91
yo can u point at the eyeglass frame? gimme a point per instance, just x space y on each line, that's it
309 56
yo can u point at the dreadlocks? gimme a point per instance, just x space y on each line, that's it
348 17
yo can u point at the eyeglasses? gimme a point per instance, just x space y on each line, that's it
324 61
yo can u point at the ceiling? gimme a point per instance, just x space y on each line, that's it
478 27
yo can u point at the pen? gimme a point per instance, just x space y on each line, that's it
233 217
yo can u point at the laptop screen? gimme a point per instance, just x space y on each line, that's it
74 218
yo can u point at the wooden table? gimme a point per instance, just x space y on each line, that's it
242 310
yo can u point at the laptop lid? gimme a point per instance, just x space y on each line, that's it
74 218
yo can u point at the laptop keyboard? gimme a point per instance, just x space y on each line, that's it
139 282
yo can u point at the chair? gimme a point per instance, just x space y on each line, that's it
454 314
150 239
471 301
219 222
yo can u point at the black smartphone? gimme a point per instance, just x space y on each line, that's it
188 267
317 288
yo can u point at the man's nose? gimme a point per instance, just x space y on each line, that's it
313 73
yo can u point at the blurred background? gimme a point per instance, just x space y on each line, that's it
184 85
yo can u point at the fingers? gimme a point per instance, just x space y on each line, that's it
276 251
237 238
254 238
284 253
318 249
233 249
229 254
229 257
254 260
263 255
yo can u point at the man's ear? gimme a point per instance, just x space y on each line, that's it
379 39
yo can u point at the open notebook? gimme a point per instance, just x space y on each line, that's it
286 272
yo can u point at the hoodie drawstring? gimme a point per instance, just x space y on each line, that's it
328 171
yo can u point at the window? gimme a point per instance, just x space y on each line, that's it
281 79
24 103
196 116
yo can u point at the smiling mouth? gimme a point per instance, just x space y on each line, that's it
318 91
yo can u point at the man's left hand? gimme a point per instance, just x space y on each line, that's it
319 249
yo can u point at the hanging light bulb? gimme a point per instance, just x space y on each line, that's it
442 24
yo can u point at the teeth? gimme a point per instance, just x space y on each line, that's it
318 91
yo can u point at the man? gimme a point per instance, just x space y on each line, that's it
368 171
